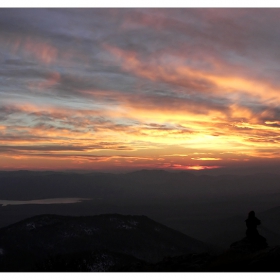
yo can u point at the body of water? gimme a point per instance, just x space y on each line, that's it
43 201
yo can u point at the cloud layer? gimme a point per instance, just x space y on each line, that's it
115 89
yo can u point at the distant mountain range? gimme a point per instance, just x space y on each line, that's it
138 185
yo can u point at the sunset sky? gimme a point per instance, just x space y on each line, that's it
122 89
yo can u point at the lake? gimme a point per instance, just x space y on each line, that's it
43 201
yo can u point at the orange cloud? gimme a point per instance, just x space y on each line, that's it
42 51
194 79
199 134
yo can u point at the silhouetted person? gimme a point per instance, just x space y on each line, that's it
252 222
253 241
252 233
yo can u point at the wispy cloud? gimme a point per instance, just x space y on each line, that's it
143 88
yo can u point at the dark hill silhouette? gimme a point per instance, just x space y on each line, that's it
232 260
41 237
118 243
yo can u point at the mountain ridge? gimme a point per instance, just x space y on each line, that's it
138 236
55 243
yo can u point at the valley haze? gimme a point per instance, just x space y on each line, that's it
199 205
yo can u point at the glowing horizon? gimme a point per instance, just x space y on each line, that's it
121 89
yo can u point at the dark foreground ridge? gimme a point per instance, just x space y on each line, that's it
118 243
32 243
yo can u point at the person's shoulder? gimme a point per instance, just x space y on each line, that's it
257 220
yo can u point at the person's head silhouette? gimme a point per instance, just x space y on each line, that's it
251 214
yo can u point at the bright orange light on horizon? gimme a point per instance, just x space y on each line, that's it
194 167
